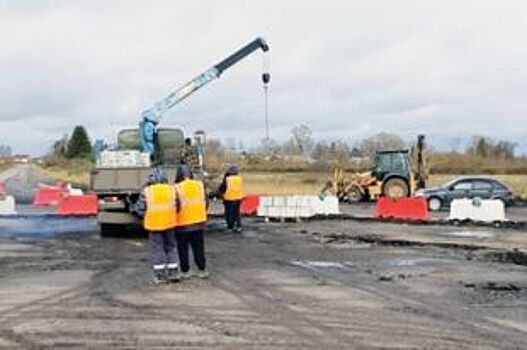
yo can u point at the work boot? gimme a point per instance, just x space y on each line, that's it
173 272
203 274
160 275
185 275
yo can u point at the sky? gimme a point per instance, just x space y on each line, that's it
348 69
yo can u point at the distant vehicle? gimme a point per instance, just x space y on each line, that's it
466 187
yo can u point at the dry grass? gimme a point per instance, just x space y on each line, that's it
82 178
312 183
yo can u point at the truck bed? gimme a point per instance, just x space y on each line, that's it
124 180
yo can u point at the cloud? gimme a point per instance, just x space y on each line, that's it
346 68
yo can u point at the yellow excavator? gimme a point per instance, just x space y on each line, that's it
395 174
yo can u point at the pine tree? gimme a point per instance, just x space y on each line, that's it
79 145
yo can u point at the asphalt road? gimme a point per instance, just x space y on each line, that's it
334 284
321 284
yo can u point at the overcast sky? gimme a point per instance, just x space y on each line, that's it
348 69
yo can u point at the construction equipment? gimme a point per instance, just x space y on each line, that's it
151 117
392 175
121 173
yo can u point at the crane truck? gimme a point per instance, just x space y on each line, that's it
118 180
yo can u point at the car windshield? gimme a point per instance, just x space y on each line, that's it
449 183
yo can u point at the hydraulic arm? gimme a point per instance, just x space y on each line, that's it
151 117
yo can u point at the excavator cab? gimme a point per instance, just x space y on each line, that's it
392 169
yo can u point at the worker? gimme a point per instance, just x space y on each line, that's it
191 218
157 205
231 189
189 155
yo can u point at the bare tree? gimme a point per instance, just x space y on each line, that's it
303 137
381 141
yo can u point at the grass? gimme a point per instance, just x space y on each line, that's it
74 171
312 183
281 183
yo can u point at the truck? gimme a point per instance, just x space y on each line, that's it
118 179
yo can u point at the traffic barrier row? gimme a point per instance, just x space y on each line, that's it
68 200
297 206
483 210
7 205
414 208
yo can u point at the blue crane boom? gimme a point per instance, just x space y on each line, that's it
152 116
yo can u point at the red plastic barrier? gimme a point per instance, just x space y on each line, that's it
2 189
84 205
250 204
414 208
49 196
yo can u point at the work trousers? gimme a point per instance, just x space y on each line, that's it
162 245
232 214
195 240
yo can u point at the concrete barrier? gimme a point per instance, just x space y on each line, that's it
7 205
296 206
486 210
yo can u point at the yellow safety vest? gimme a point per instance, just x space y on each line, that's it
193 207
234 191
160 207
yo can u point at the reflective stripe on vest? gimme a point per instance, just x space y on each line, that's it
193 207
160 207
234 190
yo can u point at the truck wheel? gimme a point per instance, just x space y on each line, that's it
395 188
112 230
354 195
434 204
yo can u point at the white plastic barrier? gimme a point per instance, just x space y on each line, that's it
7 205
487 210
296 206
72 191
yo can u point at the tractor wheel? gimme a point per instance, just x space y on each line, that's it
354 194
395 188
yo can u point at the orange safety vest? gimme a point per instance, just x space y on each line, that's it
234 190
160 207
193 207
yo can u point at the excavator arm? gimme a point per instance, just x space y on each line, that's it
152 116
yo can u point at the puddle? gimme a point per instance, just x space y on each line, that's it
408 262
44 227
475 234
322 264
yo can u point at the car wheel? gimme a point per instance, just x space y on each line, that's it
434 204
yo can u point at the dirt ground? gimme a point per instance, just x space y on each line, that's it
319 284
331 284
